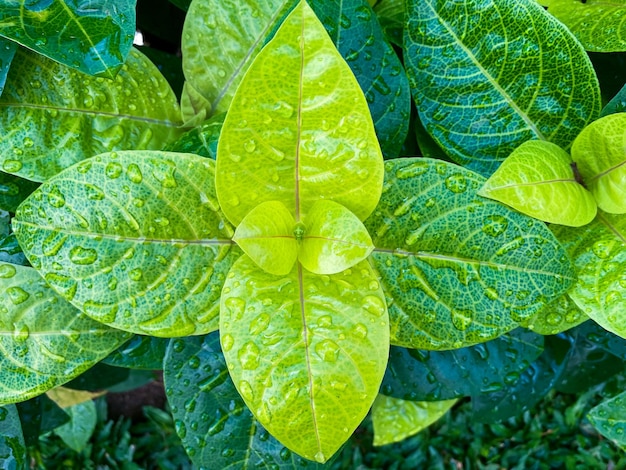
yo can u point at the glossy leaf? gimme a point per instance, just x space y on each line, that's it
213 422
599 25
201 140
357 34
53 116
134 239
420 375
38 416
298 131
220 40
44 341
390 13
609 418
395 419
99 377
487 76
600 153
559 315
94 38
606 340
12 446
77 433
7 52
537 179
140 352
13 190
10 250
306 352
617 103
458 269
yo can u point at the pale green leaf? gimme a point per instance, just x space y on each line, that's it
220 40
134 239
537 179
53 116
44 341
77 433
600 153
298 129
12 445
600 25
395 419
334 239
266 235
559 315
458 269
306 352
609 417
487 76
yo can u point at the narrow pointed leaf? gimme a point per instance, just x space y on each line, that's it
134 239
458 269
298 129
306 352
7 52
488 76
537 179
94 38
53 116
12 445
44 341
600 153
220 40
395 419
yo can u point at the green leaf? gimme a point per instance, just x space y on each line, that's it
559 315
201 140
391 16
617 103
44 341
13 190
599 25
220 40
458 269
606 340
141 352
600 153
53 116
7 52
10 251
306 352
12 446
537 179
395 419
599 254
38 416
77 433
609 418
134 239
355 30
297 132
213 422
94 38
266 235
487 76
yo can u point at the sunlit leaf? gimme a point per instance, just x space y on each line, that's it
134 239
12 446
53 116
458 269
306 352
559 315
487 76
537 179
66 397
609 417
298 129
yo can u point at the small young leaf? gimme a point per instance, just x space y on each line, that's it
12 446
306 352
78 431
201 140
537 179
298 129
559 315
600 153
609 418
395 419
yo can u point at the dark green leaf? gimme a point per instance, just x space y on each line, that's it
10 250
182 4
99 377
7 51
170 66
78 431
617 103
38 416
391 16
606 340
12 446
13 190
201 140
559 315
141 352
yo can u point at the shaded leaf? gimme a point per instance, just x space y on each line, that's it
141 352
99 377
201 140
7 52
38 416
53 116
609 418
606 340
479 76
77 433
559 315
298 132
170 66
12 446
134 239
617 103
391 16
10 250
306 352
13 190
458 269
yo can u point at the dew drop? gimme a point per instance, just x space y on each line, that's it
134 173
181 429
494 225
246 390
602 249
7 271
456 183
259 324
113 170
554 319
83 256
250 146
21 334
227 342
135 274
17 295
327 350
236 307
12 166
249 356
374 305
462 319
263 414
360 330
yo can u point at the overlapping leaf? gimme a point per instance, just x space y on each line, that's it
141 352
52 116
44 341
134 239
617 103
609 417
7 52
458 269
390 13
559 315
201 140
12 446
13 190
487 76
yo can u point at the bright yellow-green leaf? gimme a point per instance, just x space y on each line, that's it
266 235
395 419
298 129
334 239
537 179
600 153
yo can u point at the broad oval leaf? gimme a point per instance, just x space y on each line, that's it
220 40
12 445
537 179
77 433
298 129
134 239
559 315
599 25
487 76
306 352
600 153
44 341
609 418
53 116
94 38
458 269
